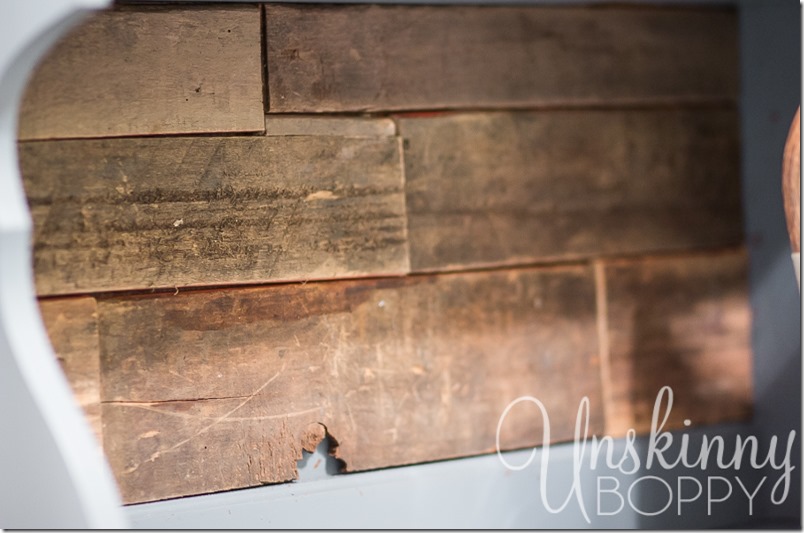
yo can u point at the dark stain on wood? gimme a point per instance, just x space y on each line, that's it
360 57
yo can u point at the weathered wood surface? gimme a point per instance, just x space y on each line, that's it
348 58
164 212
72 325
329 125
150 70
522 187
214 390
683 322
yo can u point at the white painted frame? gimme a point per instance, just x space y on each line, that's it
52 473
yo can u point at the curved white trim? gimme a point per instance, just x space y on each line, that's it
53 472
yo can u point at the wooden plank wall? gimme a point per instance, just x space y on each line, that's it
143 71
257 226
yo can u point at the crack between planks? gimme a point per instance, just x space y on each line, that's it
601 304
137 403
215 421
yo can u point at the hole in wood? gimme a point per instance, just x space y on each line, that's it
318 460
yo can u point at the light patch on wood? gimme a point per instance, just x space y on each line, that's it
72 327
606 378
682 322
321 195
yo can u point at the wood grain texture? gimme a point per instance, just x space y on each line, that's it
72 325
169 212
791 182
683 322
349 58
283 125
520 187
214 390
143 71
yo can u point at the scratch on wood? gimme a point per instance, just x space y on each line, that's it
216 421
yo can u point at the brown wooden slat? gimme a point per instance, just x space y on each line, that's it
507 188
164 212
683 322
215 390
348 58
140 71
72 325
281 125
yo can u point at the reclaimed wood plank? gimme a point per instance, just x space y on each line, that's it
72 325
150 70
524 187
371 57
214 390
137 213
682 322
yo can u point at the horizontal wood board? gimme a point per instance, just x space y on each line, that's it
117 214
372 57
214 390
150 70
488 189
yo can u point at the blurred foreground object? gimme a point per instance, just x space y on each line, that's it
791 187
